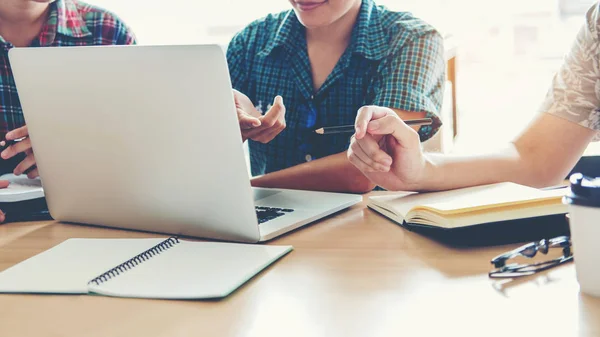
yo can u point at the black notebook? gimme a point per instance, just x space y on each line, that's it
481 215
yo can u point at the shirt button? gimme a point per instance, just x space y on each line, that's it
312 97
308 157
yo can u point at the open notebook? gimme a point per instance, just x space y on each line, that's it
500 203
143 268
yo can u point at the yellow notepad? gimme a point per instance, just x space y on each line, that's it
470 206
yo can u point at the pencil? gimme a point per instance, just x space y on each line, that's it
350 128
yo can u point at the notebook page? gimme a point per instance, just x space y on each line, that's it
193 270
497 195
20 188
466 199
68 267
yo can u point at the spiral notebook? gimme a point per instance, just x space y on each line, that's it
167 268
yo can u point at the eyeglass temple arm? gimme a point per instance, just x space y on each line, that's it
511 254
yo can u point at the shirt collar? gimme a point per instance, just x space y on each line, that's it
368 38
67 20
290 34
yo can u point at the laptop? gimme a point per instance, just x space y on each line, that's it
147 138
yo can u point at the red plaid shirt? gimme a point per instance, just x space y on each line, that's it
70 23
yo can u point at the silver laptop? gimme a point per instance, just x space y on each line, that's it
147 138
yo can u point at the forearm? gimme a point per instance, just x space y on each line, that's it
514 164
331 174
444 172
539 157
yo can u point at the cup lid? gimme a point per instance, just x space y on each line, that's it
583 191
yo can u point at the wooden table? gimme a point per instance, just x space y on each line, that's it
355 274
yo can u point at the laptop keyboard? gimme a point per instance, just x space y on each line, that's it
265 214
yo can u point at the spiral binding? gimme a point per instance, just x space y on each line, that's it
138 259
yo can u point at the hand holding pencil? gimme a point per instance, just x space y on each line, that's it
386 149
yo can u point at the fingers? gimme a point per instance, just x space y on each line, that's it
18 133
362 119
246 121
359 163
367 155
372 149
275 116
272 123
406 136
26 164
33 173
16 148
263 134
367 114
268 135
2 216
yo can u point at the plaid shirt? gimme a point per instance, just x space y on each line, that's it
394 60
70 23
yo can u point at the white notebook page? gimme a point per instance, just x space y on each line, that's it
69 266
462 199
193 270
20 188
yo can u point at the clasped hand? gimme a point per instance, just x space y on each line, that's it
386 150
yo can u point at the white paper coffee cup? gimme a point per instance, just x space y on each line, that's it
584 211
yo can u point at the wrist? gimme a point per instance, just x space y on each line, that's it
429 177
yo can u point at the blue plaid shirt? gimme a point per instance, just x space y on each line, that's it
394 60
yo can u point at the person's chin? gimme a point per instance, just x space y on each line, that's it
312 23
312 14
314 20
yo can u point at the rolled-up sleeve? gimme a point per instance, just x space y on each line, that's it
415 79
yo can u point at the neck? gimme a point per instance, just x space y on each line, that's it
22 20
338 32
20 12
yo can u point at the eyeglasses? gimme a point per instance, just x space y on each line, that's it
530 250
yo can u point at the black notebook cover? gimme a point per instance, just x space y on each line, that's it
496 233
26 210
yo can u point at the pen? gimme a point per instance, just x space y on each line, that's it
7 143
350 128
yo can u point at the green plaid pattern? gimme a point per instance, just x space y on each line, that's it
394 60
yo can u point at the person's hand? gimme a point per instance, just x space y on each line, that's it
386 150
28 165
254 125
